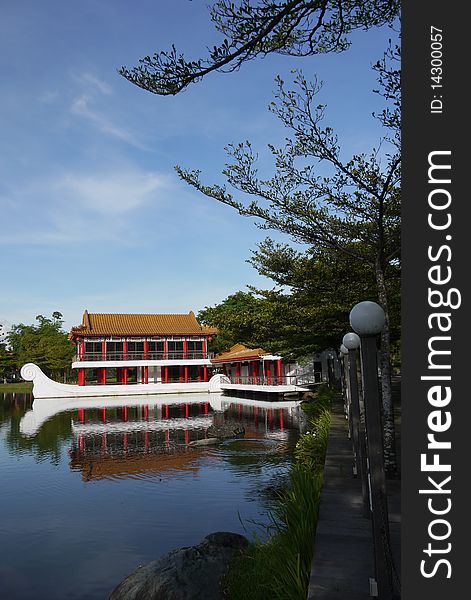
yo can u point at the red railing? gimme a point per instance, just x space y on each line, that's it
265 380
179 355
274 380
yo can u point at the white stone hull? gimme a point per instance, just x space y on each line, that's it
43 387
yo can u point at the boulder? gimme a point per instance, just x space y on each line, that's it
228 429
192 573
205 442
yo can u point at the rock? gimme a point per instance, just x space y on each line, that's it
228 429
308 397
192 573
205 442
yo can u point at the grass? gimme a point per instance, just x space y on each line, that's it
279 569
22 387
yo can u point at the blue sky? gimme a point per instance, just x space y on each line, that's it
92 212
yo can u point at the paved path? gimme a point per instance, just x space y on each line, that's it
343 554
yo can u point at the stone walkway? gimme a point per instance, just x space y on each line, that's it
343 555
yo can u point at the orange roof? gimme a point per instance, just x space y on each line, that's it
100 324
240 352
103 467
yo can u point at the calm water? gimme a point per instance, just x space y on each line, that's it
90 489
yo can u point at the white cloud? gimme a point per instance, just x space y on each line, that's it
81 107
48 97
101 85
88 206
112 193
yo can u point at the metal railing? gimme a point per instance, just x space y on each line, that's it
264 380
179 355
274 380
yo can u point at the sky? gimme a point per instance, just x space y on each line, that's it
92 213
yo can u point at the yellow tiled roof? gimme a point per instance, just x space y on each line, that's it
240 352
140 325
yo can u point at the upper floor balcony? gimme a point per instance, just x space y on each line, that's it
127 356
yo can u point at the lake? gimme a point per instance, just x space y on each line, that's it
93 488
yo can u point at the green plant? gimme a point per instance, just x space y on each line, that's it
280 568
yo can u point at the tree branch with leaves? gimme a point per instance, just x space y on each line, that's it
256 29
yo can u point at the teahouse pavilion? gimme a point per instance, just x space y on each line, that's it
245 365
141 348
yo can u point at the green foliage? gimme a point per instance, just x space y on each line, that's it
279 569
256 29
238 319
44 344
8 364
20 388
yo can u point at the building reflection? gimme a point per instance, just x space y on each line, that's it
146 441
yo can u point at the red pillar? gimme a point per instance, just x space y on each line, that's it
81 377
238 373
186 374
125 350
81 415
254 371
205 373
103 415
185 348
146 348
279 371
165 349
146 374
102 375
268 371
103 349
125 413
125 375
80 349
282 422
205 349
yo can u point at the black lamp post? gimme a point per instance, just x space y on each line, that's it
368 319
351 341
345 385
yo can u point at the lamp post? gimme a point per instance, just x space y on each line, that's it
340 358
351 341
368 319
346 388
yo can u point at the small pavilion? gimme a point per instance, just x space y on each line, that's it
246 365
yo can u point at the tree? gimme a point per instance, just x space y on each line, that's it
44 344
307 312
351 207
256 29
355 208
8 363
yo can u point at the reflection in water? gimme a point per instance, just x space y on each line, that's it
142 441
94 488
